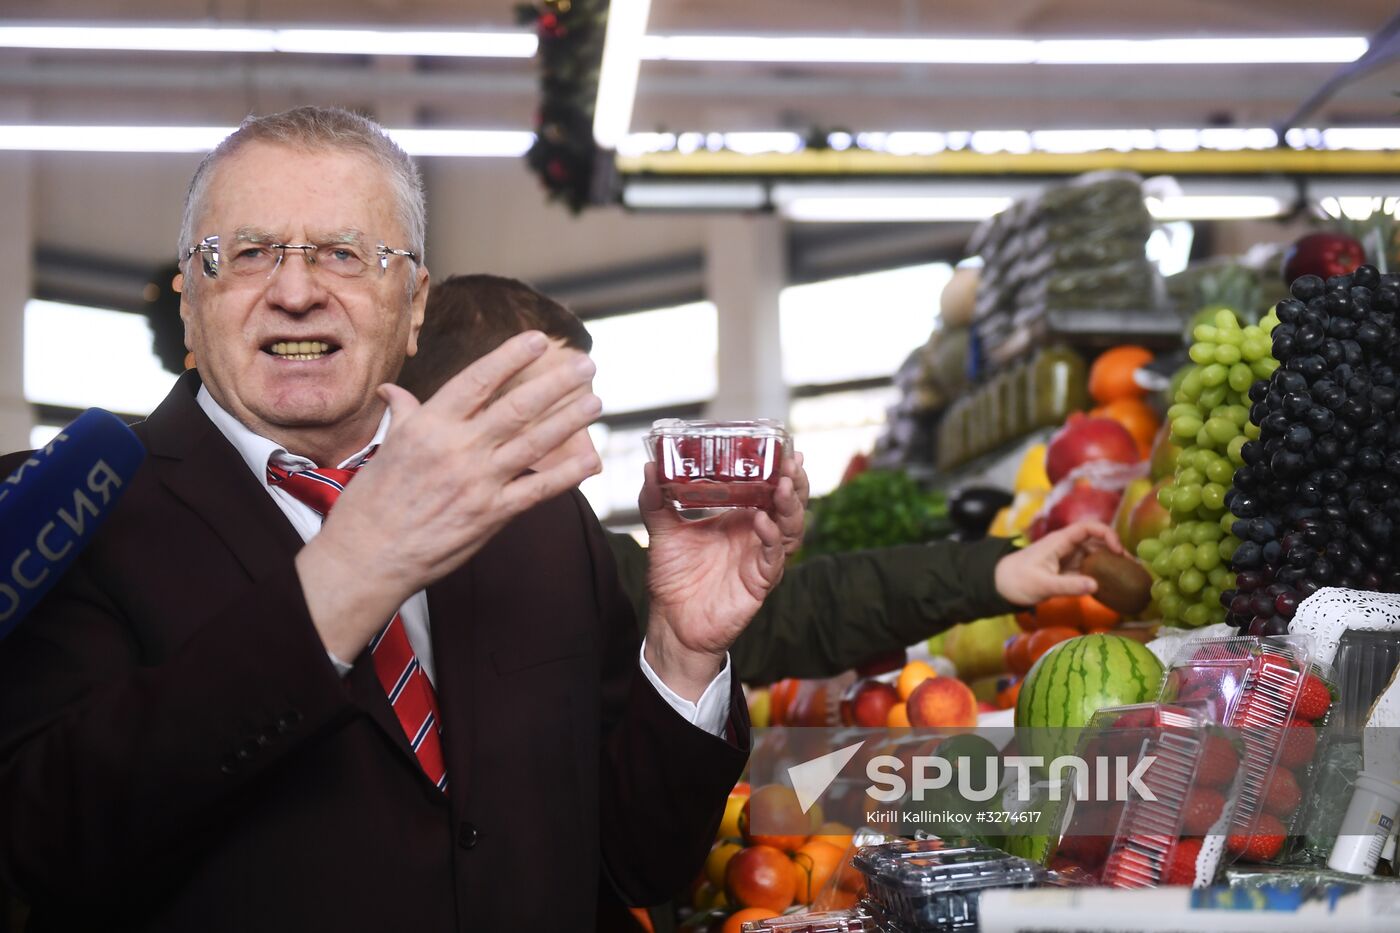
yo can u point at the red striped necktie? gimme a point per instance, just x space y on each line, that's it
409 691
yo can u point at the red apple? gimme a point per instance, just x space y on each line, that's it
867 703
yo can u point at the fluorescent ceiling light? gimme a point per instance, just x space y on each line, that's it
482 143
478 143
892 209
617 75
733 196
837 49
711 48
1214 207
503 44
1201 51
930 51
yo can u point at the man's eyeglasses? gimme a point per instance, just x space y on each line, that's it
249 259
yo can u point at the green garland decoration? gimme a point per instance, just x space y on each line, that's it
564 155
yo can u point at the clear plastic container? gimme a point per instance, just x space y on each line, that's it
1277 697
854 920
1365 663
921 886
1129 841
718 464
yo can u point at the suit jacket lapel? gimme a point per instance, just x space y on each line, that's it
201 468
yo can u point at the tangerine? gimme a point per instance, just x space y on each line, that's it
816 862
898 716
1056 612
1094 616
914 673
1111 376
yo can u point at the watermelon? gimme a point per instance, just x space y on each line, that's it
1075 679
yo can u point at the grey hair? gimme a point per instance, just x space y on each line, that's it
327 128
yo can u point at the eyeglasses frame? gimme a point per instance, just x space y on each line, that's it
208 249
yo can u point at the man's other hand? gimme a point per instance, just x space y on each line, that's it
1050 566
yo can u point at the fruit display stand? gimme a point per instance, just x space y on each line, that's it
1243 524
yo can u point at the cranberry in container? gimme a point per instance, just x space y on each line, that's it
718 464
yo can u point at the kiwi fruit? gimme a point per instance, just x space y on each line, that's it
1124 586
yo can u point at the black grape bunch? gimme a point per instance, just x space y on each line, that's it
1317 501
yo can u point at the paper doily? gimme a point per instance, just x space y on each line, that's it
1327 615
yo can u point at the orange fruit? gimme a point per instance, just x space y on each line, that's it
1057 612
838 834
914 673
841 899
1047 638
735 922
761 876
1017 654
1111 376
779 817
1094 616
1135 415
898 717
718 859
816 862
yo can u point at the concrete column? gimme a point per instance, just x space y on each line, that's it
745 269
16 278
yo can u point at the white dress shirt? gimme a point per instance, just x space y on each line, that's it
710 713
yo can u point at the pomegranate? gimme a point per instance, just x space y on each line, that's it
1083 439
1084 502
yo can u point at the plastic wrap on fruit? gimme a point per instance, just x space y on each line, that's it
1091 491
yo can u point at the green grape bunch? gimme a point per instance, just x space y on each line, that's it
1210 422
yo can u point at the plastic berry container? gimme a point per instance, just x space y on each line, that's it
854 920
1118 837
1272 694
718 464
916 886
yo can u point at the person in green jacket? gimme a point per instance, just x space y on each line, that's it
828 614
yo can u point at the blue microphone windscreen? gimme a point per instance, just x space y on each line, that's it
53 503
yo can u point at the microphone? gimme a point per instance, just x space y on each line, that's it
54 502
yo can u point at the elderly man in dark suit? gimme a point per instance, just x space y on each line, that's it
271 698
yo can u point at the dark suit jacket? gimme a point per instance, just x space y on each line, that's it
177 752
